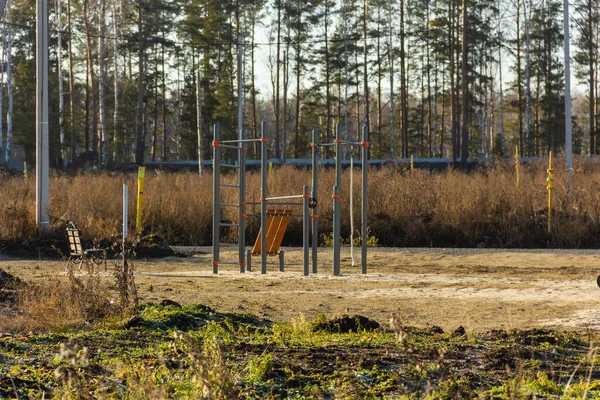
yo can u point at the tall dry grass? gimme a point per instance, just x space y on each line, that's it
405 208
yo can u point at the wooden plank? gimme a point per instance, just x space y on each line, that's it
277 222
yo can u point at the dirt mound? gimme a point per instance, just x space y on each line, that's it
9 282
347 324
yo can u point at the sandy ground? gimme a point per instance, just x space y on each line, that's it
477 289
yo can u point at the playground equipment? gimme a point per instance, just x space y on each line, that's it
274 222
266 244
337 221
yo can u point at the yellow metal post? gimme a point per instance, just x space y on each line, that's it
550 180
138 219
517 163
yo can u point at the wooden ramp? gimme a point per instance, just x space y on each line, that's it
277 222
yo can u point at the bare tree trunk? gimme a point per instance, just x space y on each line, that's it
92 92
71 95
285 104
464 154
453 100
254 116
379 79
2 57
9 87
527 79
116 65
430 132
365 73
102 84
164 105
519 77
298 73
591 62
61 100
199 118
155 108
403 90
327 75
278 63
139 148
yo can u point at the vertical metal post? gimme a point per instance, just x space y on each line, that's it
216 237
281 261
263 198
305 226
242 205
125 210
550 181
336 231
336 200
365 204
315 195
42 170
140 199
248 260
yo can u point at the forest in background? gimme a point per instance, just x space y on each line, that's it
145 80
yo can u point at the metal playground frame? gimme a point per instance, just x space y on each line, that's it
309 202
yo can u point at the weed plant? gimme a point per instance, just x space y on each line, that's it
483 208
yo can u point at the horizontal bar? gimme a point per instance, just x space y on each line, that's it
229 185
299 196
283 203
229 262
253 202
326 144
228 146
227 224
240 141
352 143
229 205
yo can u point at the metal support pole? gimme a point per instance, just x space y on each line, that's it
125 211
281 261
216 237
337 220
140 199
550 181
263 198
242 205
305 226
42 165
315 195
364 205
336 231
248 260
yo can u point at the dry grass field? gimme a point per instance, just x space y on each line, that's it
485 207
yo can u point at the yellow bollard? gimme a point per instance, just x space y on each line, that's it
517 163
550 180
138 219
412 162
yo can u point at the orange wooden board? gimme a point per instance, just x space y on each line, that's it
277 222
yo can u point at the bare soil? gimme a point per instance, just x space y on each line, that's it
477 289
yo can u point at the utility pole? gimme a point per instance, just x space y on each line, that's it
568 127
42 154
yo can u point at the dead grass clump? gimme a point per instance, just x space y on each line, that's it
59 304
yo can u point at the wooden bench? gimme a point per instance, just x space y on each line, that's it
81 256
